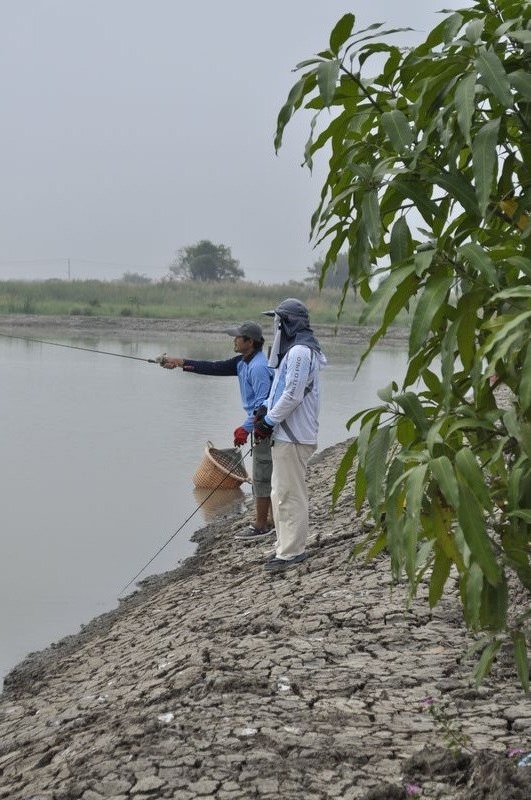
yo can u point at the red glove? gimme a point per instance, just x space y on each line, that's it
240 436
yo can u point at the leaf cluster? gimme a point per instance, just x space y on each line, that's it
429 189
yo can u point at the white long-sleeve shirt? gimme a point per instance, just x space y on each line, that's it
294 401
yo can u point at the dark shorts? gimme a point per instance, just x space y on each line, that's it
262 468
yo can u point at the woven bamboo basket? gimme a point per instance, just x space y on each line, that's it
220 469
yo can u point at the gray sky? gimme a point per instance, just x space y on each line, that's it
131 128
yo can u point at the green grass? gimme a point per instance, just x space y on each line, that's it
171 300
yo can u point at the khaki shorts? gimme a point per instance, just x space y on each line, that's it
262 468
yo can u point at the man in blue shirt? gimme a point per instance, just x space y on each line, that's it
254 376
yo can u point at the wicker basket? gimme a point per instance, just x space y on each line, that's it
220 469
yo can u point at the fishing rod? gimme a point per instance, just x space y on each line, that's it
216 487
159 360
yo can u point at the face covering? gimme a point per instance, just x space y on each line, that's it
274 355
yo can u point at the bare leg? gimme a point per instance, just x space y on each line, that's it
263 511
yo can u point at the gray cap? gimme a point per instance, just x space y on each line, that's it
251 330
290 307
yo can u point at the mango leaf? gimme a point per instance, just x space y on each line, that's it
520 657
443 519
376 465
400 246
504 331
473 590
466 329
396 126
413 410
415 483
459 187
465 103
474 29
485 662
522 36
494 601
386 394
525 381
473 527
443 472
343 470
468 468
439 575
386 291
327 75
360 488
479 260
295 96
485 160
515 292
431 300
419 195
521 81
494 77
341 31
370 209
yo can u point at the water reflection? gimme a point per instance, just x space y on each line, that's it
106 448
215 503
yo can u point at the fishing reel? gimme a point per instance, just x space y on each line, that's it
158 360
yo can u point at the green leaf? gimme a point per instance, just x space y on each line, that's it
343 471
520 657
440 574
494 601
431 300
525 381
503 332
522 36
443 472
341 32
485 160
521 81
480 261
460 188
415 491
474 29
467 466
401 245
386 394
370 210
485 662
465 103
413 410
473 591
472 524
396 126
327 74
385 292
375 465
494 77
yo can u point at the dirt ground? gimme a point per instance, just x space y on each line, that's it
220 681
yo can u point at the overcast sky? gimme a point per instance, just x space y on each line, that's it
132 128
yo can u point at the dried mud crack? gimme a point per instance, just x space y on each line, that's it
219 681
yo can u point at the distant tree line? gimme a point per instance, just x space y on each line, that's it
205 261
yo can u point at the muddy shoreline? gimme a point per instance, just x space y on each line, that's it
216 680
78 326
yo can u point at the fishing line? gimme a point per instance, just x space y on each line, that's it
77 347
149 361
224 478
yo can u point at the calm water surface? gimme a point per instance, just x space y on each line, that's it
98 454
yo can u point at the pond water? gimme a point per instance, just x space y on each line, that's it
98 454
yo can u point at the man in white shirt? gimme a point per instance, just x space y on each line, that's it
291 418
